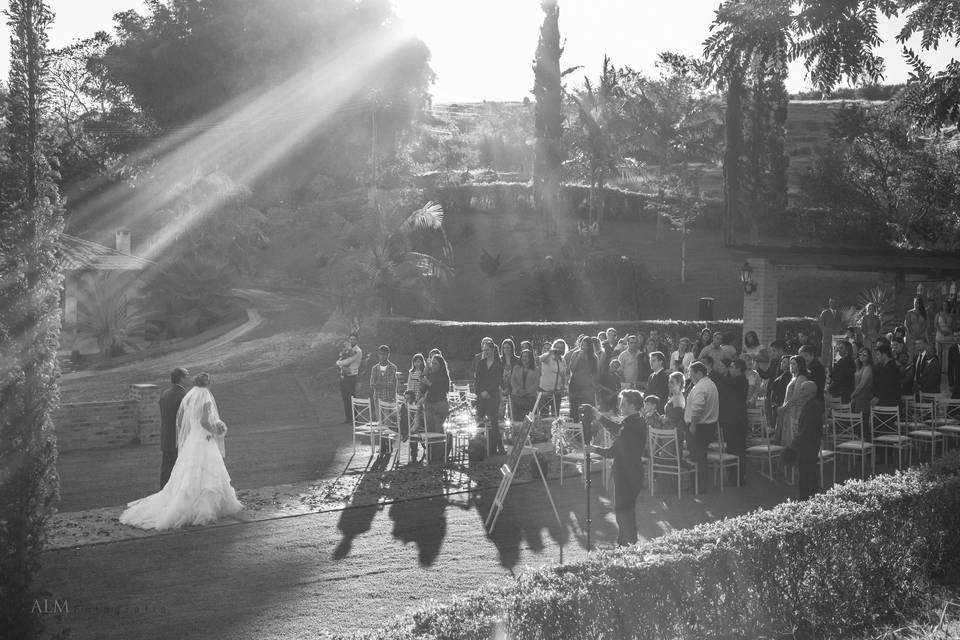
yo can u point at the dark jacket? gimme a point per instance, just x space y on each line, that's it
818 375
886 384
928 373
488 378
170 401
842 378
657 384
628 447
809 429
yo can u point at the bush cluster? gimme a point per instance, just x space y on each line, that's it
842 561
461 340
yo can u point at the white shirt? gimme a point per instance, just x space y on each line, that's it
630 365
703 403
350 366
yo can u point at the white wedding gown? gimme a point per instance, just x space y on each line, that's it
199 490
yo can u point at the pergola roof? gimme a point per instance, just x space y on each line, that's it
935 264
80 254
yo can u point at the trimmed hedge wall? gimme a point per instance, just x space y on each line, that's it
619 204
461 340
837 563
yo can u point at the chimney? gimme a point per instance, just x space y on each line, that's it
123 241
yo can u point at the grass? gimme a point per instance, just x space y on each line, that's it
940 620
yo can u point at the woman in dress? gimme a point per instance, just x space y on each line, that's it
870 326
524 381
915 324
509 358
199 490
789 411
417 365
436 383
553 377
584 376
753 379
863 387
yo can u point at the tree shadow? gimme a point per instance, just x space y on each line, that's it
422 521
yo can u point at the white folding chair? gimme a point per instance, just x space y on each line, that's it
948 419
888 433
847 432
665 459
363 423
388 425
827 455
718 459
759 446
921 428
568 445
421 435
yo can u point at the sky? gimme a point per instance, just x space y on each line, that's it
483 49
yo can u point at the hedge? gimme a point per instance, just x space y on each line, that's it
461 340
838 563
619 204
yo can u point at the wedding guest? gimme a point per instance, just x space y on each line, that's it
860 399
815 370
630 361
349 365
170 401
682 358
734 422
789 411
676 403
705 339
436 383
729 350
627 452
417 365
509 359
609 387
806 445
831 324
927 367
843 372
777 391
886 379
751 343
524 382
701 415
714 349
383 380
870 326
584 376
915 323
657 381
907 375
488 376
553 376
753 379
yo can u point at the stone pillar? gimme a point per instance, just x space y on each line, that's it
760 306
147 397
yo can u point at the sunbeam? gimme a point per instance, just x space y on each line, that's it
245 138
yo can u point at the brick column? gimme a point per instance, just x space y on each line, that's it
760 307
146 397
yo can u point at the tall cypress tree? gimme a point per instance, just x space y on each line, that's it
548 152
31 220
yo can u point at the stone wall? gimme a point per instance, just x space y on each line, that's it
116 423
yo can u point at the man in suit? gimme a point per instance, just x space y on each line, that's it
169 405
627 452
843 372
814 368
926 367
657 382
886 379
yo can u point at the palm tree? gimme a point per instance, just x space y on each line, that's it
401 257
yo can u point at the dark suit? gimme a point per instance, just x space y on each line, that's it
657 385
169 404
842 378
627 450
818 375
927 370
886 384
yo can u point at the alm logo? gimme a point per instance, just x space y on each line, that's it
50 606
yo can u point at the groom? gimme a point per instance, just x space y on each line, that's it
169 405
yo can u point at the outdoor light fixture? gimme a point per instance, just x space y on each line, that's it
746 278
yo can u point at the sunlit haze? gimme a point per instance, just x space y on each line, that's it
483 49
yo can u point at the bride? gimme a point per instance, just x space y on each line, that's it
199 489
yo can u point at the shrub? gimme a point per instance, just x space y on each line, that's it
461 340
839 562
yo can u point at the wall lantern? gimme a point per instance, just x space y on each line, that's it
746 278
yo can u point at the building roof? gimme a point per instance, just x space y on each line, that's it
937 264
80 254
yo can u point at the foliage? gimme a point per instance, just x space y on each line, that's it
186 296
824 567
401 259
877 183
548 150
107 314
459 340
31 220
885 303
